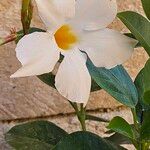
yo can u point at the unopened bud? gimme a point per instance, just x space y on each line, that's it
9 38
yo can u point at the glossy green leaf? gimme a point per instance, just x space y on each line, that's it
84 141
141 106
95 86
121 126
132 36
139 83
142 83
145 129
48 79
146 7
119 139
37 135
116 82
146 76
139 27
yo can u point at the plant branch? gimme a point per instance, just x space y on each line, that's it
82 117
137 143
135 119
81 114
11 37
94 118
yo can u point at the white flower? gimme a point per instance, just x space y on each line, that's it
72 27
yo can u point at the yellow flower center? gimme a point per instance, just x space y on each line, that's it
65 37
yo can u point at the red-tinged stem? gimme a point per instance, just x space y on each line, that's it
9 38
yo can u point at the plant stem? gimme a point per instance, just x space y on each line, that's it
82 117
138 144
94 118
11 37
145 146
135 119
81 114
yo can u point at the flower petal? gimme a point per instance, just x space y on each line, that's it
38 54
73 80
94 14
65 7
107 48
54 12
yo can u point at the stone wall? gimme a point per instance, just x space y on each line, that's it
29 97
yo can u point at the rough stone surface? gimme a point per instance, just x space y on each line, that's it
29 97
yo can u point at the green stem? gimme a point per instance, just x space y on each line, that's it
137 143
81 114
94 118
82 117
135 119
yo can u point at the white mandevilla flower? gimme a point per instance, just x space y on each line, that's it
72 27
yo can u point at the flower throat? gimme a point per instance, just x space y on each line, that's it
65 37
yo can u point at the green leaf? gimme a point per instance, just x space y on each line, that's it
118 139
145 129
142 83
139 26
141 106
116 82
48 79
37 135
146 7
20 33
132 36
146 73
84 141
95 86
121 126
